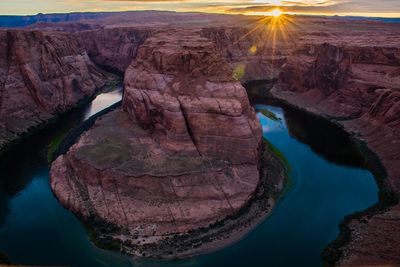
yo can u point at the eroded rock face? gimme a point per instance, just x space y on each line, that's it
358 87
113 47
191 95
181 154
352 79
42 74
249 50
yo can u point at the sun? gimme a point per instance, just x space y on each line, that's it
276 12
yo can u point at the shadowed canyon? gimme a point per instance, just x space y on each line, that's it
182 163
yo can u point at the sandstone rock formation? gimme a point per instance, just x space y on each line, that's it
359 88
42 74
347 71
113 47
248 50
180 155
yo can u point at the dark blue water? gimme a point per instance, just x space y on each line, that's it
327 182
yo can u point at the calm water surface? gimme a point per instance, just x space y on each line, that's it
327 182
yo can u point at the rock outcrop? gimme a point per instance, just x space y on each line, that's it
176 96
113 47
249 51
42 74
180 155
359 88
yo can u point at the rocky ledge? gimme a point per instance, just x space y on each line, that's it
359 89
42 74
179 157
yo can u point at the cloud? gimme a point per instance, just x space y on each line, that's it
328 7
146 1
355 6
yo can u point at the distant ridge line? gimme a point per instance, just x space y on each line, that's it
17 21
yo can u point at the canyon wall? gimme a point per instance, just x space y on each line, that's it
249 51
349 75
358 88
249 55
177 92
113 47
42 74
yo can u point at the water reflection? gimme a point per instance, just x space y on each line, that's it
34 228
103 101
321 193
328 182
325 139
335 145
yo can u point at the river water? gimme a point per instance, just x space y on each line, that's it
327 181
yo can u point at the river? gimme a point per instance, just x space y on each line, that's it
327 181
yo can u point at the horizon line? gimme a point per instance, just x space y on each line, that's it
350 14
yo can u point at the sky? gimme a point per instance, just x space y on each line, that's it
375 8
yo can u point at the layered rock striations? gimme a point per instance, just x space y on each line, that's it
176 96
358 88
42 74
113 47
249 50
350 75
181 154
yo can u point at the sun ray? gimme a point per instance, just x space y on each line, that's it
276 33
276 12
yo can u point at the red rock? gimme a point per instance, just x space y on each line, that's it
181 155
248 51
345 70
113 47
358 87
42 74
207 107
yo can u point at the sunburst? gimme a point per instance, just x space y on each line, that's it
276 13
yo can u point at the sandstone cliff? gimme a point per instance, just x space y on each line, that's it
113 47
180 155
359 88
42 74
347 71
248 50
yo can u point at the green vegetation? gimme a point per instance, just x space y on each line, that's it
55 143
239 72
269 114
277 163
62 133
279 154
96 229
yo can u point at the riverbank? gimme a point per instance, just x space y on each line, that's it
273 180
36 130
335 251
35 200
273 177
41 140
